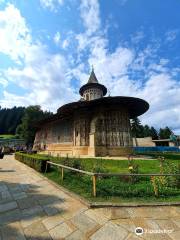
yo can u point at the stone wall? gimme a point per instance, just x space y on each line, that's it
143 142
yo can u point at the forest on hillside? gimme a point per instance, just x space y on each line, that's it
20 121
10 118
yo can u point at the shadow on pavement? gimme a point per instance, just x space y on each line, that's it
23 207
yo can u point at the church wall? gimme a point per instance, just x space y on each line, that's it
110 133
81 129
101 132
112 129
79 150
62 132
112 151
55 136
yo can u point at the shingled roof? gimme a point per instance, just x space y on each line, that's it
92 78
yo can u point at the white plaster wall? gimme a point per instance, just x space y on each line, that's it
92 93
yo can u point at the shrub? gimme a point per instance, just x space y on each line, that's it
35 161
157 185
76 163
133 169
171 168
98 167
67 161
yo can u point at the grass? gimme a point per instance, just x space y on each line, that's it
117 166
115 189
112 189
7 136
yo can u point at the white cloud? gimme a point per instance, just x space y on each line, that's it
3 82
114 69
14 35
57 38
162 92
11 100
44 77
51 4
90 15
65 44
137 37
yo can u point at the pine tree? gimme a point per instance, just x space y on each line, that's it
153 133
164 133
146 131
136 128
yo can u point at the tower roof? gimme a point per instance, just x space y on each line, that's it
92 78
93 82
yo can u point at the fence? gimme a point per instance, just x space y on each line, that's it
156 149
12 142
95 176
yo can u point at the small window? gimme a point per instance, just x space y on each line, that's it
77 133
87 97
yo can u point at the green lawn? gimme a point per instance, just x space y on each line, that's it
6 136
117 166
116 189
113 189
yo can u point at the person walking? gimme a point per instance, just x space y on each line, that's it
1 152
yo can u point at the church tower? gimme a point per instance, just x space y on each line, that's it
92 89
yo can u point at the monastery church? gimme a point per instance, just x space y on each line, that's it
93 126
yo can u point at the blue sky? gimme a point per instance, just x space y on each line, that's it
47 48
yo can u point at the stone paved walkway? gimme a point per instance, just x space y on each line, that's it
32 208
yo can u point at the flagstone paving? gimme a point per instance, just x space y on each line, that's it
31 208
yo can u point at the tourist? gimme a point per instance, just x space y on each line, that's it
1 152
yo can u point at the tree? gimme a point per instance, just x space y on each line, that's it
146 131
27 129
10 118
136 128
153 133
164 133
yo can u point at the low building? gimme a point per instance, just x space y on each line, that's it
95 126
149 142
143 142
